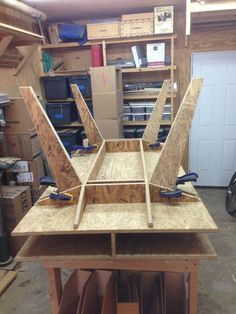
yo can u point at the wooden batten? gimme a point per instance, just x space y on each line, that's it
91 129
168 166
153 126
147 191
57 157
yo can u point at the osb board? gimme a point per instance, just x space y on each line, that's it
121 166
127 218
82 163
77 247
166 246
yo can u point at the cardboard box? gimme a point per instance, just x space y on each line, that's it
99 296
137 16
25 145
73 292
36 193
103 30
137 27
108 105
17 117
110 128
15 203
156 54
27 172
106 79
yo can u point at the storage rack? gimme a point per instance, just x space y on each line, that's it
167 71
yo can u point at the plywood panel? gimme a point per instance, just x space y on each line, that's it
57 157
121 166
117 217
158 246
122 145
168 166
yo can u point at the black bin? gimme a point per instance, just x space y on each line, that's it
70 138
83 83
62 113
56 87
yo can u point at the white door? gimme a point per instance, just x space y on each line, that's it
213 133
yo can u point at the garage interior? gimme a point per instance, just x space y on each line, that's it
117 156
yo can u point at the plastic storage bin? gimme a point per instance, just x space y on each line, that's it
70 138
56 87
83 83
62 113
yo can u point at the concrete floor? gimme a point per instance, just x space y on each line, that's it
28 294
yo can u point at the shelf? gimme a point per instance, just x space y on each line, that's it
108 42
133 123
144 96
66 73
20 36
64 100
74 124
147 69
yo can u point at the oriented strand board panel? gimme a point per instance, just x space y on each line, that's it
153 126
172 153
77 247
57 157
121 166
101 218
91 129
82 163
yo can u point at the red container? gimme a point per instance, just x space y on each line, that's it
97 57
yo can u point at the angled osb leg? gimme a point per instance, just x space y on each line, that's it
91 129
153 126
57 157
168 166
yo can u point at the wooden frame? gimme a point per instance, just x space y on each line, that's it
122 172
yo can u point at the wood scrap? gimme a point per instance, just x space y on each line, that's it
6 278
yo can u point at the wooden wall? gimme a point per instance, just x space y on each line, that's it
31 72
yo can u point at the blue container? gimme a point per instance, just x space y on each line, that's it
56 87
62 113
83 83
70 138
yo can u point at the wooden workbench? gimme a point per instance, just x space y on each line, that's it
162 252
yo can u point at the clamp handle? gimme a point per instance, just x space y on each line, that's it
171 194
189 177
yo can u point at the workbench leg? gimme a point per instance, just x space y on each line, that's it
55 288
193 291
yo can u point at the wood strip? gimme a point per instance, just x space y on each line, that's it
26 58
91 129
7 280
147 191
57 157
5 43
113 244
153 126
2 273
55 288
91 174
193 290
168 166
123 145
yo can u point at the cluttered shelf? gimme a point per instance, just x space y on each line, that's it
134 123
143 95
65 45
149 69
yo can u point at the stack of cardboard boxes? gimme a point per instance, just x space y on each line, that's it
107 94
22 187
22 141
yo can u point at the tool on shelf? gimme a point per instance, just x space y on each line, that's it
55 195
